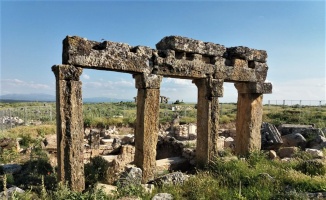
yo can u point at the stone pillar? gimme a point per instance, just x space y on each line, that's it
147 123
207 118
69 126
249 116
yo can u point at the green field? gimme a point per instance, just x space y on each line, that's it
256 177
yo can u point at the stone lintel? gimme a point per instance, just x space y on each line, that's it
171 62
106 55
258 88
147 81
67 72
184 44
247 54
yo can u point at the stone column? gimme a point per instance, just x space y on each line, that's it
147 123
249 116
69 126
207 118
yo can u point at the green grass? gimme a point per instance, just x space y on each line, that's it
256 177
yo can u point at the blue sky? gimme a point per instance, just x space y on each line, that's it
292 33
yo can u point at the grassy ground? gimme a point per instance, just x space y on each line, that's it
255 177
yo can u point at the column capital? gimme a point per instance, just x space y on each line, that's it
214 87
147 81
67 72
254 88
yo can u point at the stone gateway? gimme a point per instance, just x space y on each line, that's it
209 65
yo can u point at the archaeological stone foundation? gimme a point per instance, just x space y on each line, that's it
207 64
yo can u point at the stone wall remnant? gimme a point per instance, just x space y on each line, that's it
209 65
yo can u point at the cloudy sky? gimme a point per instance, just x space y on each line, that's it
292 33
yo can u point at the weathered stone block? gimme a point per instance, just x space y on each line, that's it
270 137
248 123
247 54
185 44
239 62
67 72
258 88
106 55
294 140
147 81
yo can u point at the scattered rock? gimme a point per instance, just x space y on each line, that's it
315 153
10 192
286 129
318 143
284 152
132 176
294 140
270 137
9 144
229 143
174 178
107 189
163 196
11 168
50 142
272 154
148 187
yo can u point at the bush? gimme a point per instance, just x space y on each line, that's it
95 171
312 167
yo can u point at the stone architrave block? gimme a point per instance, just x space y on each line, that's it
258 88
239 62
148 81
189 45
216 87
247 54
67 72
270 137
114 56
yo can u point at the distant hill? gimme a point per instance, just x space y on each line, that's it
103 99
51 98
27 97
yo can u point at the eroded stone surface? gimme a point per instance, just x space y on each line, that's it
248 123
177 57
208 64
70 131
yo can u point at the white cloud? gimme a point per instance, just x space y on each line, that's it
85 76
304 89
16 83
175 81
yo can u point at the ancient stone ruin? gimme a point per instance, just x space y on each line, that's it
209 65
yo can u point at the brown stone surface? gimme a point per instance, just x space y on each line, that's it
207 123
248 123
118 163
186 58
247 53
259 88
106 55
208 64
189 45
69 130
146 131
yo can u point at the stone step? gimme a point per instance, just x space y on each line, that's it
109 158
172 163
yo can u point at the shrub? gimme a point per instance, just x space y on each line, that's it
311 167
95 171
